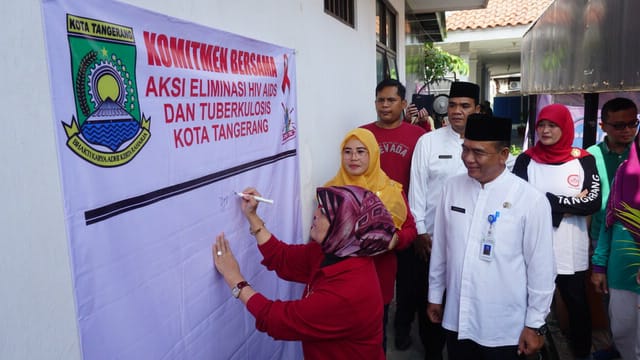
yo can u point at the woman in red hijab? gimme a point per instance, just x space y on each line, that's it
570 180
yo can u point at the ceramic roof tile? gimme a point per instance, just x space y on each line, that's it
498 13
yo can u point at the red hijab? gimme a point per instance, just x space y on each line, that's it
563 150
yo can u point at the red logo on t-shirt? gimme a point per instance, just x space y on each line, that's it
573 180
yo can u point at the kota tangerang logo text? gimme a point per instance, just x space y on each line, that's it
109 129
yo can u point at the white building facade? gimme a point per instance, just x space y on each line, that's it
336 71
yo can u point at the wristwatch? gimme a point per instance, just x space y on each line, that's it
541 331
236 289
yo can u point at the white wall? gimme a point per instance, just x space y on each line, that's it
336 81
36 307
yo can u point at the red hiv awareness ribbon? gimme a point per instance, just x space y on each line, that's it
286 83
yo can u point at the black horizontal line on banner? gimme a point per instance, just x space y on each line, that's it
104 212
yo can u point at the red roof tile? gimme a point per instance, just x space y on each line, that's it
498 13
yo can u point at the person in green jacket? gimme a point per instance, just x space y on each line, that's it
616 257
617 114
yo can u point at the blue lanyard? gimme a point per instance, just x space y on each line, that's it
492 218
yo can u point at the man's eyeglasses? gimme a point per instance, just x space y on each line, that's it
391 101
622 126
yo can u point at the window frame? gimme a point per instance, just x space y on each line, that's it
342 10
386 41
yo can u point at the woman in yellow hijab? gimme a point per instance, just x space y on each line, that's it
354 170
360 166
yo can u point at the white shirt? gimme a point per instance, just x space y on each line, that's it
571 238
490 302
436 157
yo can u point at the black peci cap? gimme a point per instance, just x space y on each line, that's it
484 127
465 89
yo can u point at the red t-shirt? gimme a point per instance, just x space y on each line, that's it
396 150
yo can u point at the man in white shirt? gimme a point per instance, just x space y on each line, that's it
435 158
492 253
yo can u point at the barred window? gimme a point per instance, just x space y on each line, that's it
386 39
343 10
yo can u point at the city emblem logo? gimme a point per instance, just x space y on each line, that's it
108 129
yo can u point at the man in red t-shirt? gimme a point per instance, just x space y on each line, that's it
397 140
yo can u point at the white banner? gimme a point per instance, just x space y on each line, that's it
159 121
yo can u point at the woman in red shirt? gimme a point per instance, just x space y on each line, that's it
339 314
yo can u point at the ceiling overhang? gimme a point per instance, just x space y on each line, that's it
428 6
425 18
426 27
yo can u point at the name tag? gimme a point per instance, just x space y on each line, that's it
445 156
458 209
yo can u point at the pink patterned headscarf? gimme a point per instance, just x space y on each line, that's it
360 225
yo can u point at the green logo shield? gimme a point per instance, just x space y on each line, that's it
108 129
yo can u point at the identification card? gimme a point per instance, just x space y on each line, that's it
488 242
486 248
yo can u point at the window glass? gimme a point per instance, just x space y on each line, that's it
393 67
391 34
380 66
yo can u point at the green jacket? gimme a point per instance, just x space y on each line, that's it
602 154
618 256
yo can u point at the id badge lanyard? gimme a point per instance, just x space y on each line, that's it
487 247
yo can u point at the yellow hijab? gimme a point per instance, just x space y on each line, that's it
374 179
